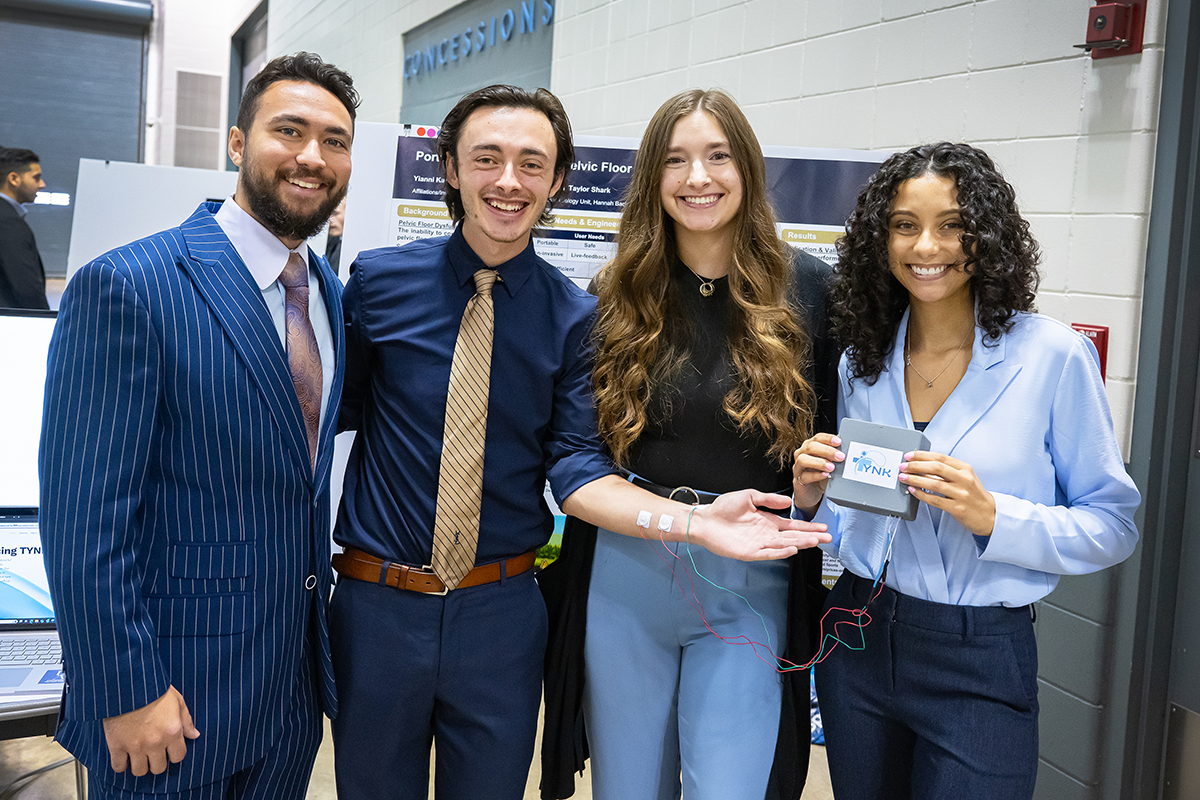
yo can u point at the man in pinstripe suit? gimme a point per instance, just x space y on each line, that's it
191 399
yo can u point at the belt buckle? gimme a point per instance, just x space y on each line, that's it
445 589
695 494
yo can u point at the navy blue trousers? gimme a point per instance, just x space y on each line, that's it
464 670
941 703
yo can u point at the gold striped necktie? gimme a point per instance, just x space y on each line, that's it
304 358
460 480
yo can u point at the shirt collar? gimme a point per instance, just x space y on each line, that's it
21 210
513 273
262 252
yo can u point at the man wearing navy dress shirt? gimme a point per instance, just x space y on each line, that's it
416 663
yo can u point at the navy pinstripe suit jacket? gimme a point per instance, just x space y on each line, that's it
180 515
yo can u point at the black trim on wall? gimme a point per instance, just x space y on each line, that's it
237 61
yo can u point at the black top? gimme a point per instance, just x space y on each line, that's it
689 439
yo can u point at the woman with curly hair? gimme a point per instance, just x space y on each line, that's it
936 695
711 361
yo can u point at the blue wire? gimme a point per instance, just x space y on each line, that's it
820 653
688 546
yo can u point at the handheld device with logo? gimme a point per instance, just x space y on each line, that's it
868 479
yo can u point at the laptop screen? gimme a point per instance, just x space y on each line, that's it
24 590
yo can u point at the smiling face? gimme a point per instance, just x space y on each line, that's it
925 251
701 187
504 169
294 162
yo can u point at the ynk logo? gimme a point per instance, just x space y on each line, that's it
872 464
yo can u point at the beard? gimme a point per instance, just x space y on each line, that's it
27 194
268 207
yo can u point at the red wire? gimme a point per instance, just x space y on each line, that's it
861 616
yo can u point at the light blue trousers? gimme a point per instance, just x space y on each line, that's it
665 699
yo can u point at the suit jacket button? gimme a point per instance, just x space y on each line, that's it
311 582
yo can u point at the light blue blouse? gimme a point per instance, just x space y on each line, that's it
1032 419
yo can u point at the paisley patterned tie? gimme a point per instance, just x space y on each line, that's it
460 480
304 359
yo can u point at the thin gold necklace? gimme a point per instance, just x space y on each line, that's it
706 284
908 357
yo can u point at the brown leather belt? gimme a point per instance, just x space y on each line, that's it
361 566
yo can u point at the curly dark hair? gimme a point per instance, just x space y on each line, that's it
304 68
504 96
1002 256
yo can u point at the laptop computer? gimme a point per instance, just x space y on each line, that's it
30 656
30 659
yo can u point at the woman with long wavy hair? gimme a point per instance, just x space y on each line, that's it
933 297
710 364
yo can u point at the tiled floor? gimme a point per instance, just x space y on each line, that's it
20 755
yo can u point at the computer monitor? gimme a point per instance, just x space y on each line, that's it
24 346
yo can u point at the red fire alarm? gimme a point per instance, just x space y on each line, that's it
1099 336
1115 29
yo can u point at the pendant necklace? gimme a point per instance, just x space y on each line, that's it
706 284
929 381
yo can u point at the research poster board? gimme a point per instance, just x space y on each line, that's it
396 198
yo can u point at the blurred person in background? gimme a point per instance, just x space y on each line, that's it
22 278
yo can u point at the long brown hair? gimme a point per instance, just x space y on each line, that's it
637 346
